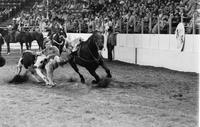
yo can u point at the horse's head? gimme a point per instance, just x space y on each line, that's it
98 38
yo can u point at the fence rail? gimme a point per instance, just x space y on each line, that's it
163 26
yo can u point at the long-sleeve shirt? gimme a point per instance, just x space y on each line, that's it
51 51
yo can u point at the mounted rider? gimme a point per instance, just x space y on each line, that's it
74 45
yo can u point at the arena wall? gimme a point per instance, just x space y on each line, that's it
159 50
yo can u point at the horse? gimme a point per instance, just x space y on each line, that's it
88 56
14 36
18 36
38 36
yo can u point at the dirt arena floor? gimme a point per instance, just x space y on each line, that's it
137 96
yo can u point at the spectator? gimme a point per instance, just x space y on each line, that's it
111 43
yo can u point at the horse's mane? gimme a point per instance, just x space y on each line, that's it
91 37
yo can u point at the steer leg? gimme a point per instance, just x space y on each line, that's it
21 44
19 66
44 78
49 69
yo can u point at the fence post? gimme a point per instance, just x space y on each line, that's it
134 25
120 25
182 17
103 24
88 26
79 24
193 24
142 26
113 26
158 25
65 26
150 24
170 24
93 25
127 27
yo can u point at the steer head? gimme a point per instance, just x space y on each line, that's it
41 61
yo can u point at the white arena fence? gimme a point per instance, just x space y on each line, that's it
159 50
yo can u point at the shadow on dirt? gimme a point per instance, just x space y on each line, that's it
18 79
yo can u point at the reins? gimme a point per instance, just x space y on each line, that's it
57 42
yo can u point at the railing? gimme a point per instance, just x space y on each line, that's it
143 27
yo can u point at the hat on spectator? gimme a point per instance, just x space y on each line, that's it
9 27
121 2
110 29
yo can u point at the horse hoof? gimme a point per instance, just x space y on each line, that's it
94 82
109 76
49 86
83 81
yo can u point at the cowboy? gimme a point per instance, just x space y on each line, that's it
111 42
50 50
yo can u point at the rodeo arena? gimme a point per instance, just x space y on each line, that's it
99 63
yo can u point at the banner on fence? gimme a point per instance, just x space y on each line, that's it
180 36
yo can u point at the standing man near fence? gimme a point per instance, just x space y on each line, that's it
111 42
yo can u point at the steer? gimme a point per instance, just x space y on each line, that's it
35 64
49 64
27 61
40 64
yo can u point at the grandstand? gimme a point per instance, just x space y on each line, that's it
124 16
11 8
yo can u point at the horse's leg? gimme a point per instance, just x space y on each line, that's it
74 66
0 49
8 47
21 44
103 65
94 74
27 45
39 45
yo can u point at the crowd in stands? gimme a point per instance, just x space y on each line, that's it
9 8
132 16
145 16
